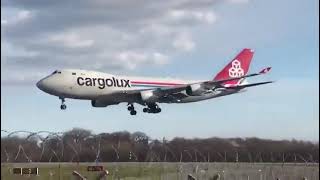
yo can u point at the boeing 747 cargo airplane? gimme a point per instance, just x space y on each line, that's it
104 89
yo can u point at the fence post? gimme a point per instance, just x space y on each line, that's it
59 171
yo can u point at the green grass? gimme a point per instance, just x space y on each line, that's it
64 171
165 171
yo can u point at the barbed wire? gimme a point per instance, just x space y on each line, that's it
54 145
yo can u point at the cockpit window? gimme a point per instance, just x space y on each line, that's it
55 72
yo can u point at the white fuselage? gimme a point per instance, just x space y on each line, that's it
90 85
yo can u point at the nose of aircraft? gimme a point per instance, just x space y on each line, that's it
40 84
44 84
47 85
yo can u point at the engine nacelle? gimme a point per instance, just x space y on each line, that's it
148 96
97 103
195 90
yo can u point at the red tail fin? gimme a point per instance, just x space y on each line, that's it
239 66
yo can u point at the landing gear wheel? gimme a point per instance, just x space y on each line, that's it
63 107
133 112
152 108
130 108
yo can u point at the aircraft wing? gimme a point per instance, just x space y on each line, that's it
170 90
211 84
156 91
175 92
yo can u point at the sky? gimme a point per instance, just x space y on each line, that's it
183 39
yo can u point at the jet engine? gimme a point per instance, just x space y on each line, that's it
97 103
195 90
148 96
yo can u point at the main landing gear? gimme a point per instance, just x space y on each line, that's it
131 109
152 108
63 106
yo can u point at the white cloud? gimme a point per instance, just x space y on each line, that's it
131 59
158 29
207 17
192 16
131 56
183 43
19 17
4 22
71 40
22 15
159 58
8 50
239 1
99 35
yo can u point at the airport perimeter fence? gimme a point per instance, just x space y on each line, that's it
80 145
61 155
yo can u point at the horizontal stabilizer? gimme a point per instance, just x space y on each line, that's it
221 82
249 85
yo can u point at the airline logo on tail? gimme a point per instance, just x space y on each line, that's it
238 67
236 70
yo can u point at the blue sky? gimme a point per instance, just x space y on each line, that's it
192 43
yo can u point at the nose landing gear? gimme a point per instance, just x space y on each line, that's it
63 106
131 109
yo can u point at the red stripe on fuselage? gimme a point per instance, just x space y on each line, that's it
155 83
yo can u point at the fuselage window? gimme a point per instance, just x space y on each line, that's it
73 73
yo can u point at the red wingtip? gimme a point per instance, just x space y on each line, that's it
265 70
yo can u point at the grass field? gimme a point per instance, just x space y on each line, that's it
170 171
64 171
